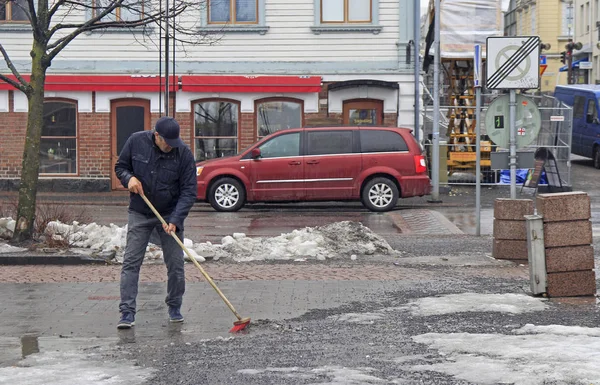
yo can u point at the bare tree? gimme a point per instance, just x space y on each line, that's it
52 28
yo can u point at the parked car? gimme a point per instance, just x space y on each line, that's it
584 98
376 165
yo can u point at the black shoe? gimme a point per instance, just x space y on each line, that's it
175 314
127 321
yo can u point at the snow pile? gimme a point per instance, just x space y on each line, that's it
92 236
7 227
321 242
338 239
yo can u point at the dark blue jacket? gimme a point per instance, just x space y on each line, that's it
169 179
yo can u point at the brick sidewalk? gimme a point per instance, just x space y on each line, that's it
327 271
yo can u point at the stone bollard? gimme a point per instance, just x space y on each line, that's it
569 254
510 232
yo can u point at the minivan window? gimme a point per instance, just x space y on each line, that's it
578 106
381 141
591 111
281 146
329 142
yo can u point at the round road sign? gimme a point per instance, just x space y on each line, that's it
528 121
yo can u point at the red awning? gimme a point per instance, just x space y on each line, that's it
102 83
273 84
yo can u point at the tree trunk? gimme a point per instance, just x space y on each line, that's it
31 158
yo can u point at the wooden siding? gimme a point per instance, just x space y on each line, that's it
289 38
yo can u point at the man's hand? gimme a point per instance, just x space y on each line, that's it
170 228
135 186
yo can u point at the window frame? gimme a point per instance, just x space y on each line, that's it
579 103
117 11
219 28
350 27
591 103
353 145
232 15
76 137
8 13
362 136
257 102
193 121
346 13
279 137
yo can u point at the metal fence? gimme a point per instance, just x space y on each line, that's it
458 159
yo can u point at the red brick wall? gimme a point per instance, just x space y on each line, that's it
94 145
12 130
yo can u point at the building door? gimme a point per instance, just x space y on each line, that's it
363 112
127 116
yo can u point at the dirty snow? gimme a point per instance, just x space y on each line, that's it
339 239
527 355
473 302
536 355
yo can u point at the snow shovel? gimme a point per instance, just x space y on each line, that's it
238 325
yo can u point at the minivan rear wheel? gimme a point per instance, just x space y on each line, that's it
380 194
227 194
597 157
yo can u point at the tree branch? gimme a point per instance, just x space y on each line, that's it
22 85
55 8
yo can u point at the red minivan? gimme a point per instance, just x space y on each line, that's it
376 165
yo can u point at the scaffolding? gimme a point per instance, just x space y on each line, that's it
463 23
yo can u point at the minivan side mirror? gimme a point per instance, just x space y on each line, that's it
255 153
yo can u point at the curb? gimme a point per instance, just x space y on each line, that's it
28 259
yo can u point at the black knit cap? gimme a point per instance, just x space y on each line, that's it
168 129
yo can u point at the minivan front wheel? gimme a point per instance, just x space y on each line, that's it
227 194
380 194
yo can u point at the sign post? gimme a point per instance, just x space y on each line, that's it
513 63
477 80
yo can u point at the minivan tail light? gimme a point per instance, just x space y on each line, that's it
420 165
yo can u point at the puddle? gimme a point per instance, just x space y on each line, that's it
56 360
29 345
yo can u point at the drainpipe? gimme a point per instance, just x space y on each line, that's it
417 44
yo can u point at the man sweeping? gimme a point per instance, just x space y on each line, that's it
160 166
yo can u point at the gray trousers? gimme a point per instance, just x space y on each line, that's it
139 230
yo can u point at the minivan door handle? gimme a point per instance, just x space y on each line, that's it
312 162
294 162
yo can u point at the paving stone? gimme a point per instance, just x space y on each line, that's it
565 206
569 258
515 230
572 284
510 249
512 209
567 233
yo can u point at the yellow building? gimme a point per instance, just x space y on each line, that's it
552 21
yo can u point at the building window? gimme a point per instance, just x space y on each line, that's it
215 129
14 11
346 11
532 10
58 145
275 115
567 19
131 11
233 11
